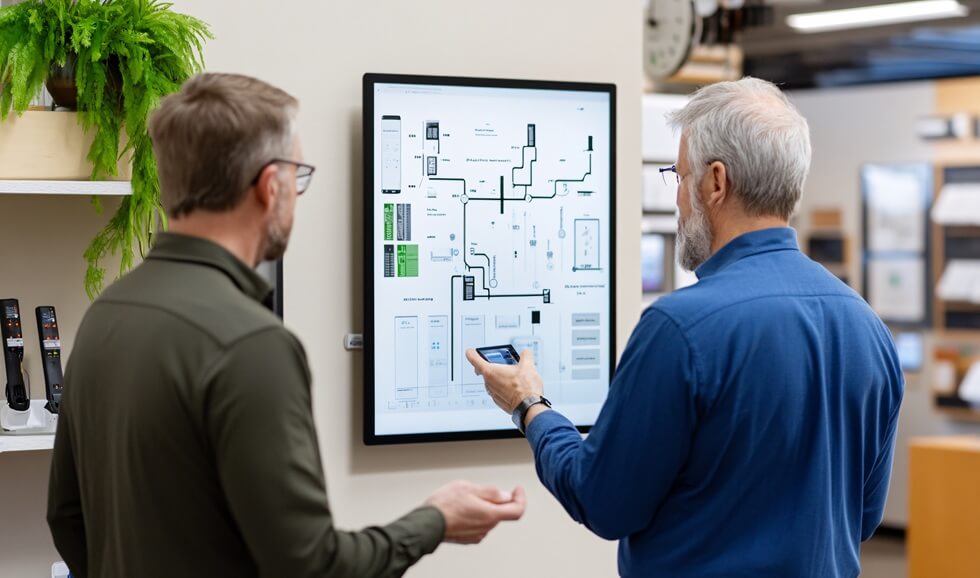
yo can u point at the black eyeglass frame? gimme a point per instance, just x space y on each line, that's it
670 169
300 175
673 169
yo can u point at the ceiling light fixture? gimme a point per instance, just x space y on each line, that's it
878 15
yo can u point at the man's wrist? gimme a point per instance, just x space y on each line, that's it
520 413
533 412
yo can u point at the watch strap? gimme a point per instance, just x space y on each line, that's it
520 412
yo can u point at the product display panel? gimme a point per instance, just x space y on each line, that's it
489 220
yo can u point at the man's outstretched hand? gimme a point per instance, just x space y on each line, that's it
471 510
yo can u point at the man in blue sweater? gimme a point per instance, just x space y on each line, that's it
750 424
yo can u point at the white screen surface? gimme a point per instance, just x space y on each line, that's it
499 233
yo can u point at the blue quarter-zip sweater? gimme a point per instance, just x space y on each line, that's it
749 427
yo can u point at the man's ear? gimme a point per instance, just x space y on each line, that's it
719 192
267 187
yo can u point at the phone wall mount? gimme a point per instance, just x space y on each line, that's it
13 355
50 341
36 420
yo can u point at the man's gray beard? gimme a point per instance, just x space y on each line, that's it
276 237
693 244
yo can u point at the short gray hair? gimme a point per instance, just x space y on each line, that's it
755 131
212 138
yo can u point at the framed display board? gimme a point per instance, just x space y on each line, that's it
895 203
489 219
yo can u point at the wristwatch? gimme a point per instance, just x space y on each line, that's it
520 412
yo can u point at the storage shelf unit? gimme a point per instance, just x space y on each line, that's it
45 154
49 146
85 188
26 443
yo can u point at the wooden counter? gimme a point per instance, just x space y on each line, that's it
944 507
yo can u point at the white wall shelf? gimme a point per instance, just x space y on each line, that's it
84 188
26 443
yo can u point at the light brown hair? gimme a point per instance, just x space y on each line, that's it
212 138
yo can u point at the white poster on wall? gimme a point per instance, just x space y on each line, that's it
896 288
897 200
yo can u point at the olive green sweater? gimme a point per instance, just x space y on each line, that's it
186 445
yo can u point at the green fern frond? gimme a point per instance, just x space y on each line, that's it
128 55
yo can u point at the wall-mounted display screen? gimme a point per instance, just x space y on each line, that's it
489 220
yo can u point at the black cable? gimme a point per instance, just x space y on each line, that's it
27 376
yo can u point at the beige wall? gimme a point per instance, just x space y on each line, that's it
26 549
318 51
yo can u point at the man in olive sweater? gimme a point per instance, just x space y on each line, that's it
186 445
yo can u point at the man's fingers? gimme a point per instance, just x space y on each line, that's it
493 494
512 510
527 357
519 496
504 505
479 364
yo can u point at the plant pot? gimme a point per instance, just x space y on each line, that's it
61 83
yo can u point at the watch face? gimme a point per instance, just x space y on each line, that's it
668 34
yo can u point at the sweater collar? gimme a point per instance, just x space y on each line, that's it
191 249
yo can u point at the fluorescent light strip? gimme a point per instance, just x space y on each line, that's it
877 15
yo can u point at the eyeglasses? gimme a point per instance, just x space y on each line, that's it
304 174
671 169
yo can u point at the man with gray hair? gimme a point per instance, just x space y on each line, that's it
750 424
186 445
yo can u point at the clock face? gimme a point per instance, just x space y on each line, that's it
668 34
705 8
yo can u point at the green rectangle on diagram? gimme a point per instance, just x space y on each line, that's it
408 260
389 221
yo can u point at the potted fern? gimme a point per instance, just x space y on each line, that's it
126 55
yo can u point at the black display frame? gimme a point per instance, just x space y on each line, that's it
272 272
278 296
368 110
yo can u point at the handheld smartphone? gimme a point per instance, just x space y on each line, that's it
502 354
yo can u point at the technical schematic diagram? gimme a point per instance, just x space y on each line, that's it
586 245
492 226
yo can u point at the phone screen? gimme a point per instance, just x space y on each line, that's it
502 354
